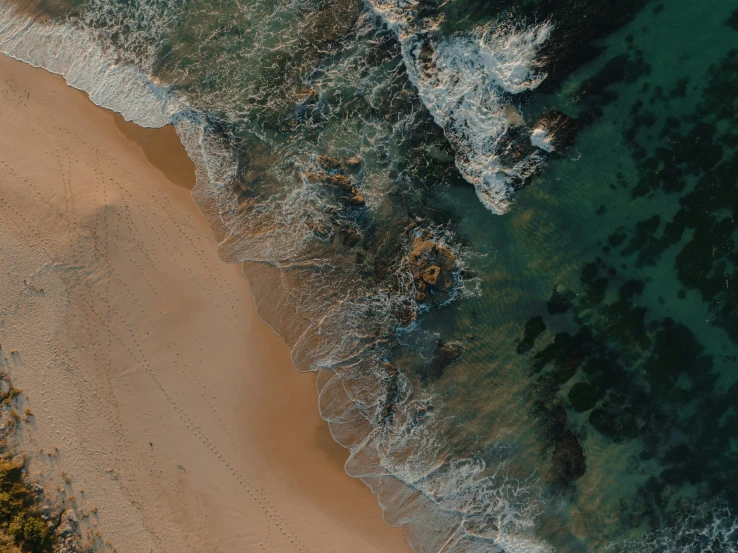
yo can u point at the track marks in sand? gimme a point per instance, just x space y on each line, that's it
161 201
61 355
163 238
255 493
103 323
75 272
89 257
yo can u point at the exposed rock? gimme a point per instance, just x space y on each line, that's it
420 291
430 275
431 264
391 374
423 249
68 525
310 96
312 176
425 252
328 163
339 180
353 162
515 146
560 130
321 231
330 174
425 58
407 314
358 200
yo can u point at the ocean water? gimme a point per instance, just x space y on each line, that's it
503 233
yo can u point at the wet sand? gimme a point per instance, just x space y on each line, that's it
168 412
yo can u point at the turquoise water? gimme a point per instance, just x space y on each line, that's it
508 232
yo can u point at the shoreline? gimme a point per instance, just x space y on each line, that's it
160 416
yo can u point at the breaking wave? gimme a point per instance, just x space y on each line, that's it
74 54
467 82
335 320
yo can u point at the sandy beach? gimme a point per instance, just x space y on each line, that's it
168 413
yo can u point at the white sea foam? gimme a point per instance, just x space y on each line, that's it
541 138
463 80
710 528
445 504
72 53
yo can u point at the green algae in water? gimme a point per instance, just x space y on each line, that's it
637 297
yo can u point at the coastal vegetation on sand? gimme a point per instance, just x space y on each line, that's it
30 522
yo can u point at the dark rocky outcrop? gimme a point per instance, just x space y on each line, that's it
533 329
560 129
560 302
583 396
515 145
432 265
568 462
329 172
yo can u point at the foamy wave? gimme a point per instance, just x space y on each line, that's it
463 81
74 54
344 328
707 529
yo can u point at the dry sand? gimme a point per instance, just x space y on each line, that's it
172 409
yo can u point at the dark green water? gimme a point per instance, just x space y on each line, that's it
635 228
566 376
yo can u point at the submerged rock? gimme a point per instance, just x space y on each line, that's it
568 462
561 300
584 396
615 422
533 329
327 170
446 353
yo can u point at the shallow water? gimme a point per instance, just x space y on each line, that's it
523 322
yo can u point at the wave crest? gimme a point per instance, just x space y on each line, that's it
467 82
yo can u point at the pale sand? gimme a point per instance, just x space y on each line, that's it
172 405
